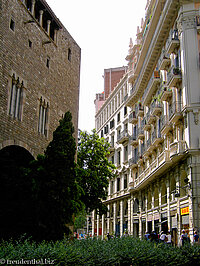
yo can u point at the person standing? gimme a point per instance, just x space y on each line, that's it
162 237
169 238
196 238
184 237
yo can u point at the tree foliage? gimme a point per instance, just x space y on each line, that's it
56 192
93 170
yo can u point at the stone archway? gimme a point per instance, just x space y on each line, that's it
15 192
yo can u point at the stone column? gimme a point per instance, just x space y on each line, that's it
41 17
168 205
48 26
114 216
33 7
97 225
121 217
190 70
140 215
93 223
102 219
131 213
108 220
129 216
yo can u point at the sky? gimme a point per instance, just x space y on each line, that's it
102 29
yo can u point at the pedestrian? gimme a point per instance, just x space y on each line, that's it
196 238
169 238
184 237
108 236
147 236
162 237
153 236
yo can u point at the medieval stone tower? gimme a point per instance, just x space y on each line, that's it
39 77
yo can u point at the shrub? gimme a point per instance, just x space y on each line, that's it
115 252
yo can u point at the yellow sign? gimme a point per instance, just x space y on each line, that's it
185 211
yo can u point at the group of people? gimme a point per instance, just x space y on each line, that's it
167 238
159 238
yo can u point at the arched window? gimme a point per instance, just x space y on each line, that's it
164 194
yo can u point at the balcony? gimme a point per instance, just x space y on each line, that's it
175 111
173 42
149 146
174 77
157 167
156 137
133 140
139 110
111 149
165 124
140 133
123 137
166 94
132 118
156 108
151 87
177 149
164 61
145 125
198 24
133 162
150 118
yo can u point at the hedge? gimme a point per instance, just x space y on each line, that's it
118 251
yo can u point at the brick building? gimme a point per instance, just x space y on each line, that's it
39 77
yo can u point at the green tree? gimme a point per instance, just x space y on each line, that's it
56 191
94 170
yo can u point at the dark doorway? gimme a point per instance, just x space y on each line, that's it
15 192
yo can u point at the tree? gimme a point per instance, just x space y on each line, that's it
56 191
93 170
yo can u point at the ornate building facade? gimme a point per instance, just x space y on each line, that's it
152 121
39 77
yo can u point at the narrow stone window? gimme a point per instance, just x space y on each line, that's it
43 116
30 43
16 98
12 25
48 62
69 54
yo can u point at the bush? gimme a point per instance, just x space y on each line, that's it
117 251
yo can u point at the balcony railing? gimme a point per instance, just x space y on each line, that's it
166 93
132 118
174 76
156 137
156 108
112 147
172 42
139 110
165 124
123 136
164 61
151 87
175 111
133 162
133 140
177 148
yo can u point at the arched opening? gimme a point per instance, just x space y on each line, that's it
136 206
149 202
15 192
164 194
156 197
173 188
183 176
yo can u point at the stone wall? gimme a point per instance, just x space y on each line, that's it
44 66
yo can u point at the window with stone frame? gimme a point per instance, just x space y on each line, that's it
43 116
16 98
125 181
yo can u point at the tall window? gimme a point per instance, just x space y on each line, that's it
43 116
126 153
16 98
125 181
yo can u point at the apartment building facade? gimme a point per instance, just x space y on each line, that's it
155 146
39 77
